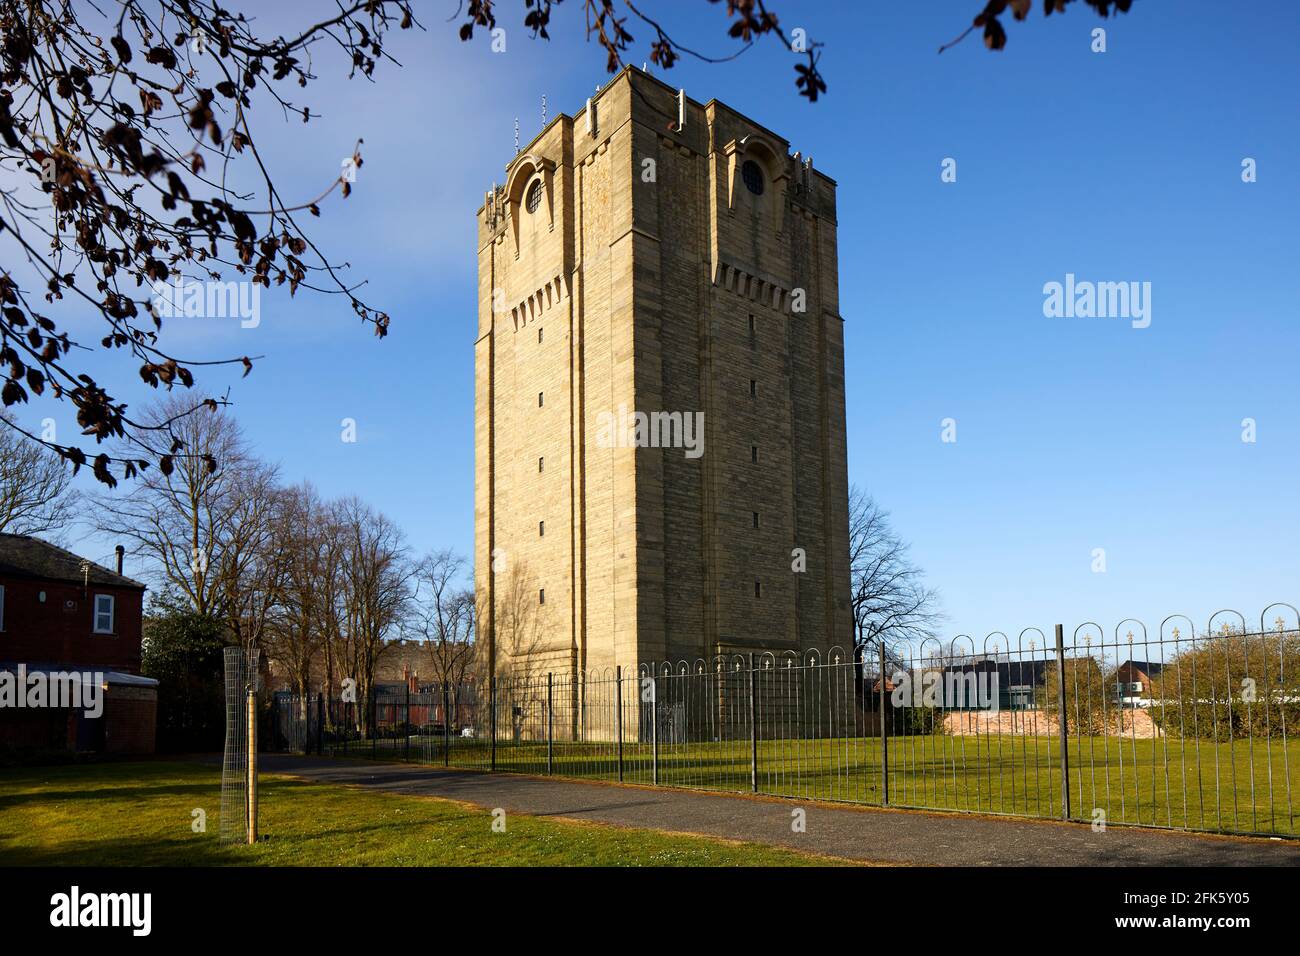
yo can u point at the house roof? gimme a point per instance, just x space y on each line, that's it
1150 668
1010 673
24 556
113 678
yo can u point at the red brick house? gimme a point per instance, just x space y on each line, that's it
60 612
1135 681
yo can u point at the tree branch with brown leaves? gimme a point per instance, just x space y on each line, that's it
995 35
606 21
119 136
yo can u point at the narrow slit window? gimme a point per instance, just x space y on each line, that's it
755 519
753 453
541 399
758 589
541 529
753 388
541 595
541 464
539 336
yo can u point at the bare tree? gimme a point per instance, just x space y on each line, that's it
299 629
443 615
377 580
331 600
34 493
889 595
181 519
306 634
251 563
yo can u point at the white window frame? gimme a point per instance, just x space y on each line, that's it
112 614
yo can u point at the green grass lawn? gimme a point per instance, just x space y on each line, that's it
120 814
1243 786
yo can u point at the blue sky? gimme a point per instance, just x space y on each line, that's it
1072 433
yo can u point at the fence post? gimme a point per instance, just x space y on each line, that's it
550 722
372 720
492 704
320 723
1065 737
884 732
654 723
406 725
618 716
753 725
252 765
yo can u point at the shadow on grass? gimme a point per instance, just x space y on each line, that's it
14 800
199 850
68 816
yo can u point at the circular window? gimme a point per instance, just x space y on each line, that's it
753 177
534 197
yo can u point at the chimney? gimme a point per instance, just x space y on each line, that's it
121 551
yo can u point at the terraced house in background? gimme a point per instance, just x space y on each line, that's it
660 427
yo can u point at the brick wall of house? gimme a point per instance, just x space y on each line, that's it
41 728
60 629
131 719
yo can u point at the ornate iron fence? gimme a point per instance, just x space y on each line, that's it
1164 728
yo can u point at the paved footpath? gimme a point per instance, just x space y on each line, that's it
859 833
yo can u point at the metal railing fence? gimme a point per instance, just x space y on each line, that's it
1169 728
